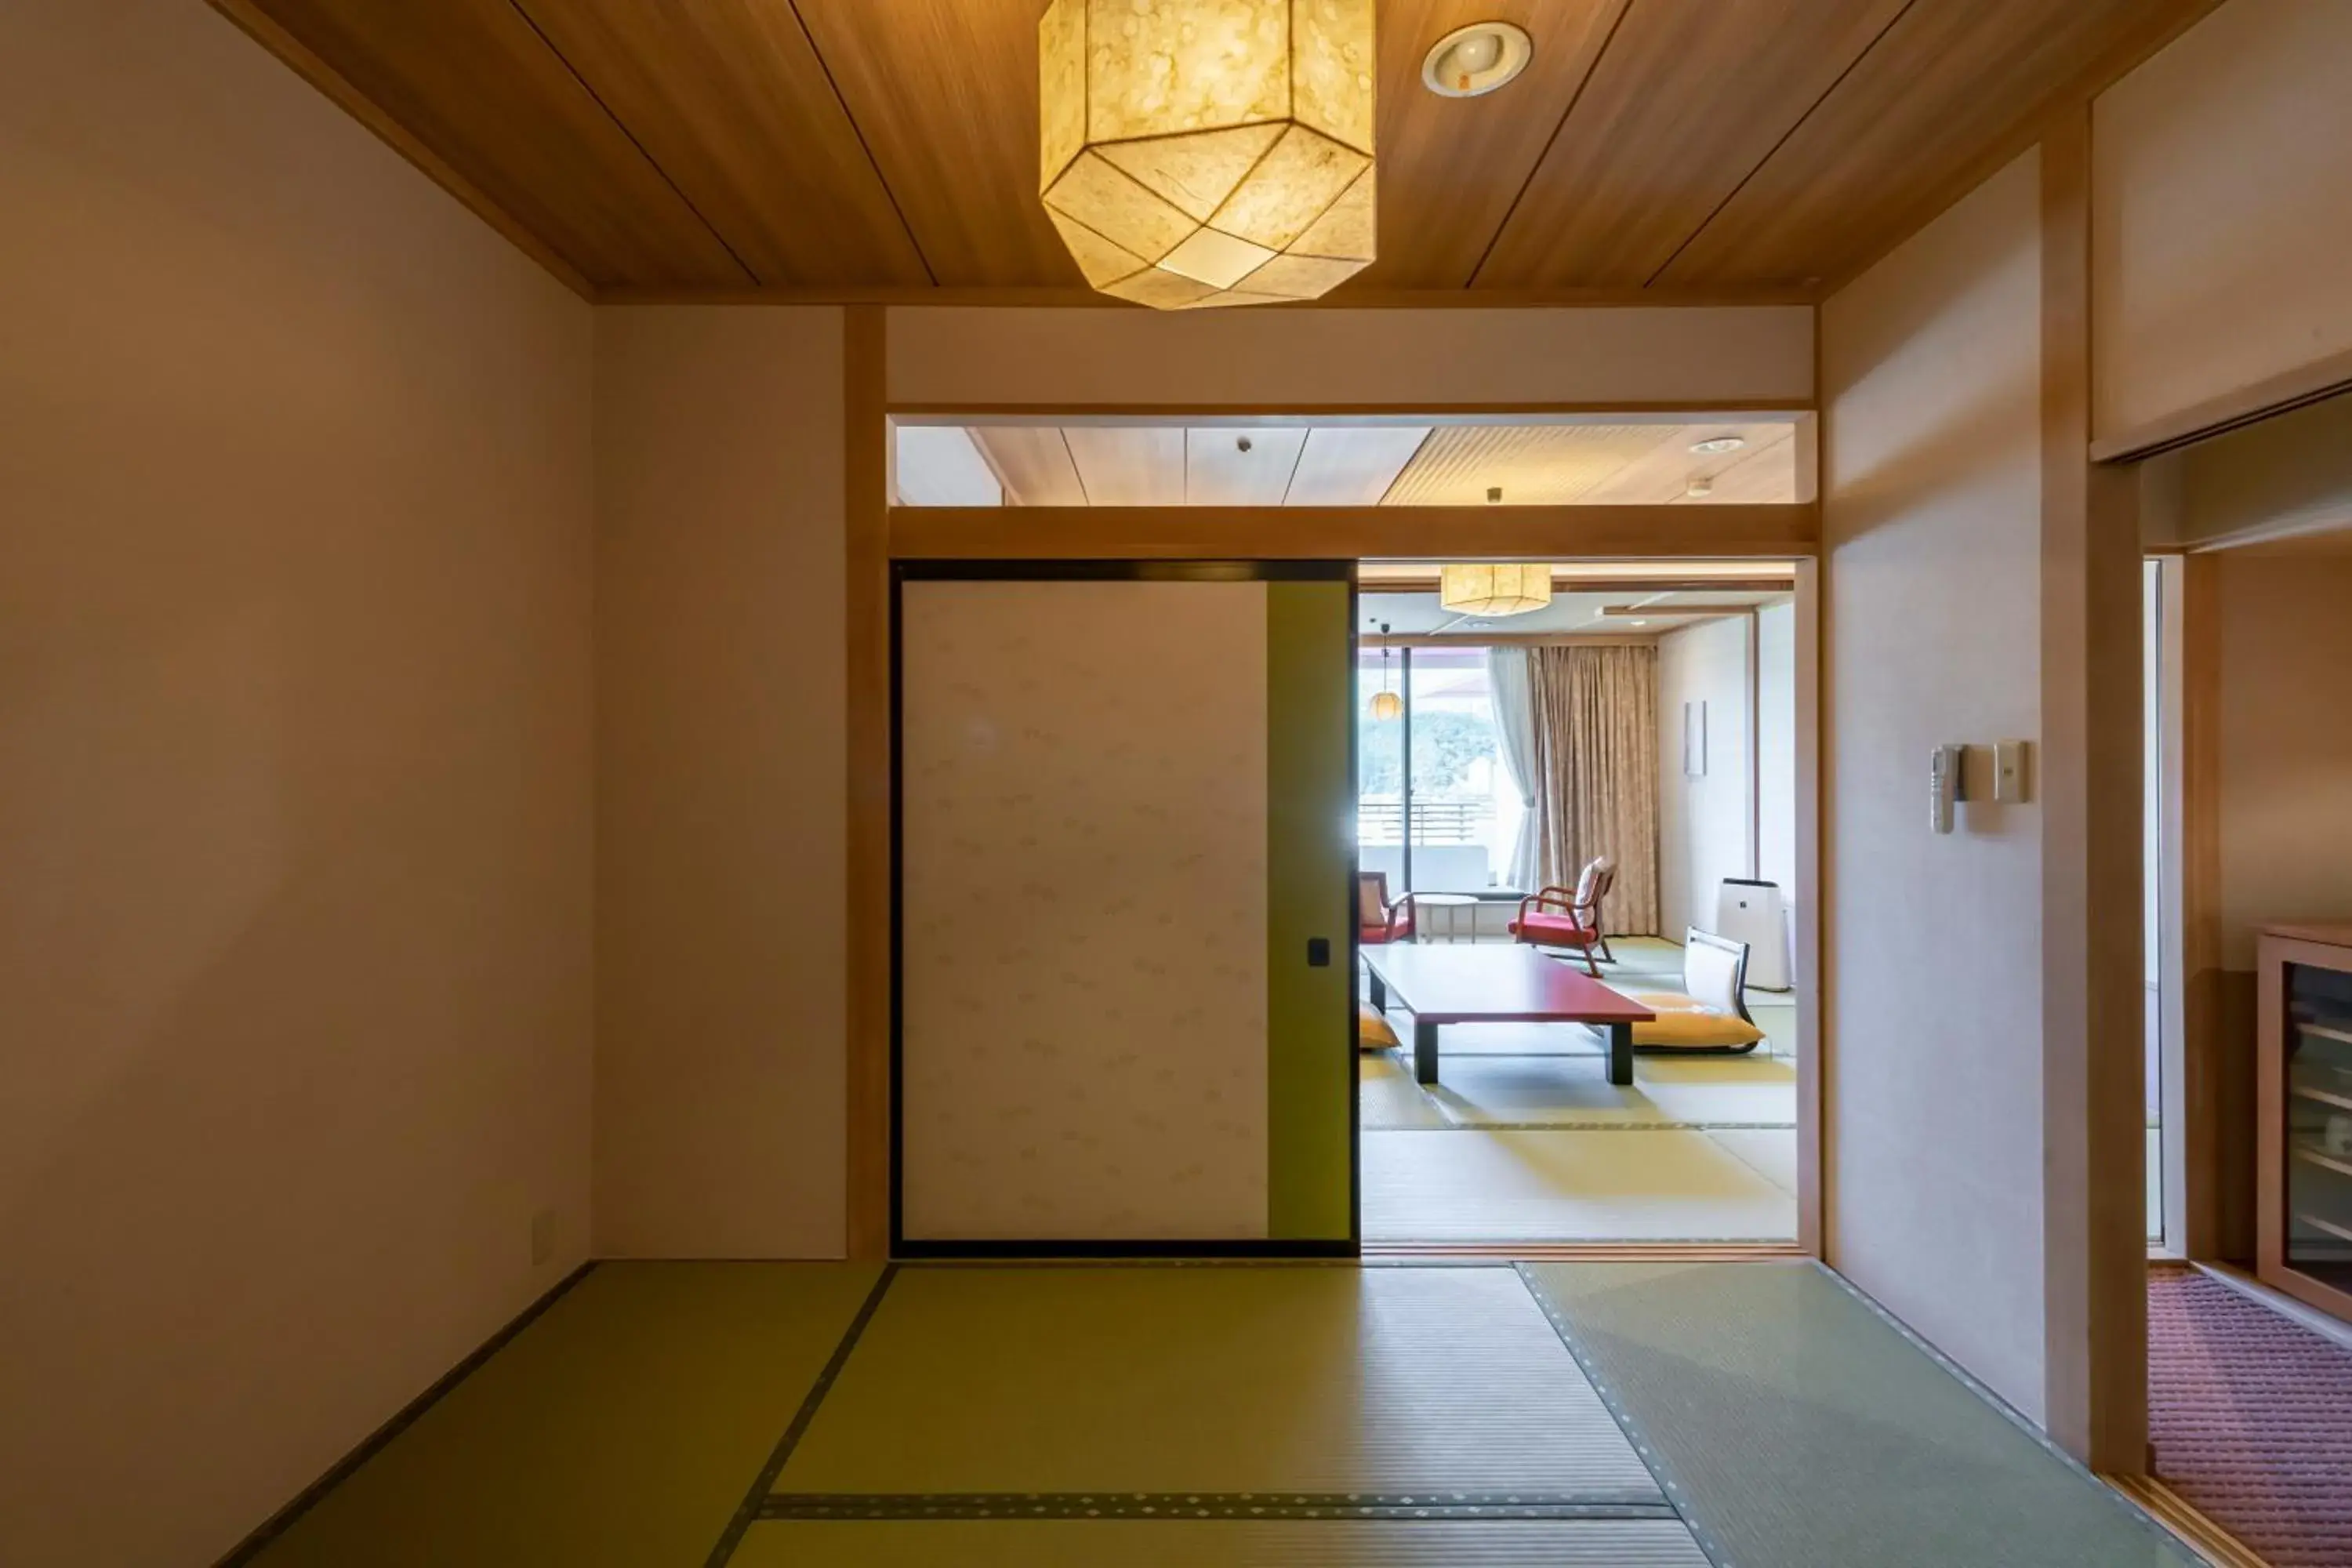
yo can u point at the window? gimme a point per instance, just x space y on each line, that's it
1465 812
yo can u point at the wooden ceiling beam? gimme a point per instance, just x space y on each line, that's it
1335 534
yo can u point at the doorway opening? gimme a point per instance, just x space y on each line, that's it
1576 832
1111 1026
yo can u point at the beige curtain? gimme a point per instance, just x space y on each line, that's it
1597 763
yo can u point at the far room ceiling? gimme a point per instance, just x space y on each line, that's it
1588 461
1680 149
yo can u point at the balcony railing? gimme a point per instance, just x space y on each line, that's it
1436 821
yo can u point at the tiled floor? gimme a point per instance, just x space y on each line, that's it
1523 1138
1181 1415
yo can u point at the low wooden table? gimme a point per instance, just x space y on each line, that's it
1497 983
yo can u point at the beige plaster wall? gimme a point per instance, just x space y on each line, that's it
1932 1114
2286 758
2222 211
295 730
720 784
1704 824
965 356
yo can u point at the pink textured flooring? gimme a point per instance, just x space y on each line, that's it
2250 1415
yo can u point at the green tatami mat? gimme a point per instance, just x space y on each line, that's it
620 1429
1340 1544
1388 1097
1800 1429
1547 1184
1237 1379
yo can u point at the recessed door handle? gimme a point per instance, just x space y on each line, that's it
1319 953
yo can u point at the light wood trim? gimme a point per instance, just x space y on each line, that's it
1689 614
338 89
2194 1530
2204 1237
1065 298
2172 1103
2094 1259
1319 533
1503 640
866 455
2271 1267
1754 695
1619 411
2314 382
1816 1045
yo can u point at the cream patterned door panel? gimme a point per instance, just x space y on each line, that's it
1084 867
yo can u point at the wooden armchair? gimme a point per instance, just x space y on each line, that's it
1378 919
1562 917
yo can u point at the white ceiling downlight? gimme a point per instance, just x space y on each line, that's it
1718 443
1472 61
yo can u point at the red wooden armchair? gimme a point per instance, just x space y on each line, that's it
1557 917
1379 921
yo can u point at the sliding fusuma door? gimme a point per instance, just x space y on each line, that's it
1126 806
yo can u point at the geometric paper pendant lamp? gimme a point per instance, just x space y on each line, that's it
1200 152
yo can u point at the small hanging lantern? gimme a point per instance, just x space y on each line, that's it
1387 706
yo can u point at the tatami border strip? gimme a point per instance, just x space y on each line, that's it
766 1480
1187 1507
1625 1422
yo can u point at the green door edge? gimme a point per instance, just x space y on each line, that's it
1310 863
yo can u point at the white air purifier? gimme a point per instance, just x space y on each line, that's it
1755 913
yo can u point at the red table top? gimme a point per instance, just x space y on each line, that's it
1496 984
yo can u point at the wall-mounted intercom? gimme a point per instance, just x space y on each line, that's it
1946 784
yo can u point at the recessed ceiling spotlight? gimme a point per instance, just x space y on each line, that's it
1473 61
1718 443
1640 623
1699 487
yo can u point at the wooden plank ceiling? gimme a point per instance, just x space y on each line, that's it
1321 466
1679 148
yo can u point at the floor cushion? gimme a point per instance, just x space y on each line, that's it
1689 1022
1373 1032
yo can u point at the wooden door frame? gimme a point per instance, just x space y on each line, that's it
879 533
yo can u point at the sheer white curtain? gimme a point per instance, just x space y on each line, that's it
1508 679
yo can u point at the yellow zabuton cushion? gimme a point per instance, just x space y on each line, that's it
1686 1021
1372 1030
